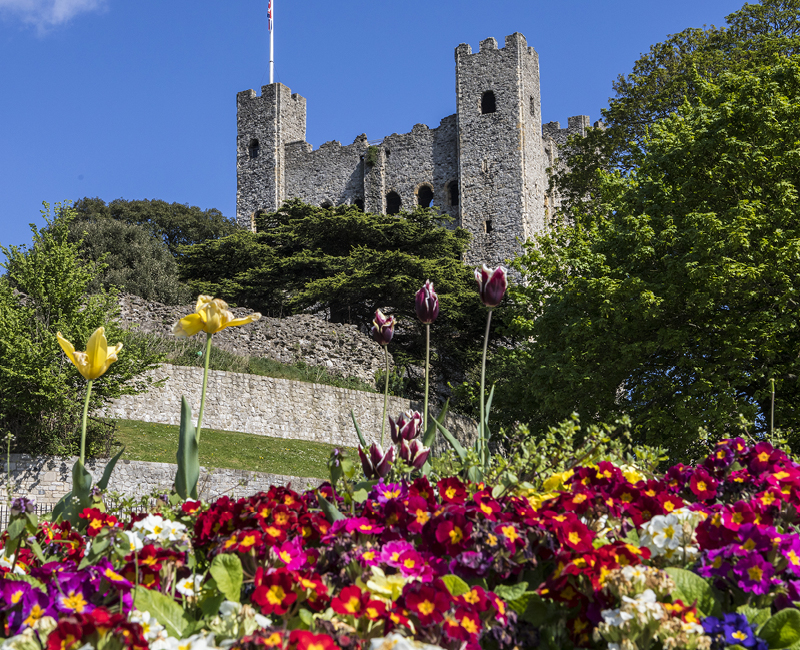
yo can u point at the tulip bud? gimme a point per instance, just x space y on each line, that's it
376 464
492 285
414 453
366 463
407 426
427 303
382 328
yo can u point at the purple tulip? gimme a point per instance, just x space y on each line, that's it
492 285
382 328
407 426
376 464
414 453
427 303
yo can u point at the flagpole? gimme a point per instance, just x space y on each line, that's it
271 40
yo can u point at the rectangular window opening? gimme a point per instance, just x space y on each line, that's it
487 226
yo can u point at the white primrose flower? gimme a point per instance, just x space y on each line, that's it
171 531
634 574
615 617
150 626
646 603
151 526
190 586
5 562
229 608
132 541
262 621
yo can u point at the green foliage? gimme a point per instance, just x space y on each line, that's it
372 156
661 80
349 263
135 261
41 392
677 302
176 224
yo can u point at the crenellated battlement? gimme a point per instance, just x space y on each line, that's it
485 165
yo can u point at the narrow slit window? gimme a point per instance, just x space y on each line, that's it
393 203
487 226
488 102
253 148
453 192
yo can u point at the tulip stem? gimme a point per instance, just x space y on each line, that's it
205 384
482 424
385 392
85 418
427 374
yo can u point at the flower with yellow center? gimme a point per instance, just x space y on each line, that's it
98 356
211 316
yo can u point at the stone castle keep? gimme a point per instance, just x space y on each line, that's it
486 166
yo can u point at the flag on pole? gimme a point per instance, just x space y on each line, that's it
269 14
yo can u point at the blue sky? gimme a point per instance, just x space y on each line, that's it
137 98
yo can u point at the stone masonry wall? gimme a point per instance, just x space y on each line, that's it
267 406
47 479
340 348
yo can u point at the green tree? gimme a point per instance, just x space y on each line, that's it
349 263
678 302
41 392
134 260
660 82
176 223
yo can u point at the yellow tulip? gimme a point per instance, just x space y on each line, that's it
98 356
211 315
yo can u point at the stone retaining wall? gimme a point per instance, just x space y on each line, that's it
47 478
267 406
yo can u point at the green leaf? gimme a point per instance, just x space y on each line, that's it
755 616
359 496
510 593
691 588
165 610
16 528
37 551
331 511
26 578
361 440
455 444
306 616
226 569
82 490
430 432
103 482
537 611
455 585
475 474
782 630
488 406
188 473
211 603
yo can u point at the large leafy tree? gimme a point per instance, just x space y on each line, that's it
658 84
678 300
45 290
347 263
176 224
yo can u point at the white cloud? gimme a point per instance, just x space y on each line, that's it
45 14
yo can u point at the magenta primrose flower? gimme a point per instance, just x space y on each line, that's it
492 285
382 328
426 303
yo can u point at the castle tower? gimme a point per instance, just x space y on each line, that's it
264 125
501 160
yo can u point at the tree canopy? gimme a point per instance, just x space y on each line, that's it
348 263
176 223
676 301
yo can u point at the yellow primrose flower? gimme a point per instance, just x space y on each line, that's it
557 480
211 315
98 356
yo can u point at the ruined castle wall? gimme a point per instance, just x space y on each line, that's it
490 147
534 176
332 173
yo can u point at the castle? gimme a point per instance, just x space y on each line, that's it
486 166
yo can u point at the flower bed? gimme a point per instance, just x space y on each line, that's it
701 557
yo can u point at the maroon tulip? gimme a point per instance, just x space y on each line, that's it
382 328
407 426
427 303
377 464
414 453
492 285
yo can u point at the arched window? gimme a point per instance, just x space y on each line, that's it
488 103
425 196
326 204
253 148
393 203
452 192
359 203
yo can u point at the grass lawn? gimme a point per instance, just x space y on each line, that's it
230 449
